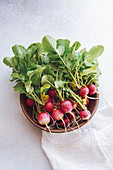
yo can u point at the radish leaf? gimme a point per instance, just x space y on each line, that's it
47 79
95 52
19 50
65 43
49 44
75 46
88 71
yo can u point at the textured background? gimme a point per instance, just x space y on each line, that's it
27 21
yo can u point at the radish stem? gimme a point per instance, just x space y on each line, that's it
69 72
48 128
93 98
64 125
106 102
77 98
36 99
75 121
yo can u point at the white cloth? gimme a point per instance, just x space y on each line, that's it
69 151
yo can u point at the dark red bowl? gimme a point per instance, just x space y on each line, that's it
28 113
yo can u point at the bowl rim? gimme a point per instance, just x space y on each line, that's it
22 96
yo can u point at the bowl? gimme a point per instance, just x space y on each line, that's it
28 113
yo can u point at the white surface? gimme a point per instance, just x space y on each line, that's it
27 21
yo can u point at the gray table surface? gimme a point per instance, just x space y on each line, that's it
27 21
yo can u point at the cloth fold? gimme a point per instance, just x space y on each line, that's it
92 149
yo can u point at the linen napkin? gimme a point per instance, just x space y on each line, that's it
90 149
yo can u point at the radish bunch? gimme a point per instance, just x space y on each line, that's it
57 79
64 114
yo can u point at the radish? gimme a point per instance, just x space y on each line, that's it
85 115
83 91
49 107
43 118
52 93
57 114
30 102
92 89
49 99
87 102
66 106
65 122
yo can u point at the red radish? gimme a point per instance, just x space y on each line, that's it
49 107
85 114
65 122
57 114
66 106
52 93
92 89
49 99
71 116
43 118
83 91
87 102
30 102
